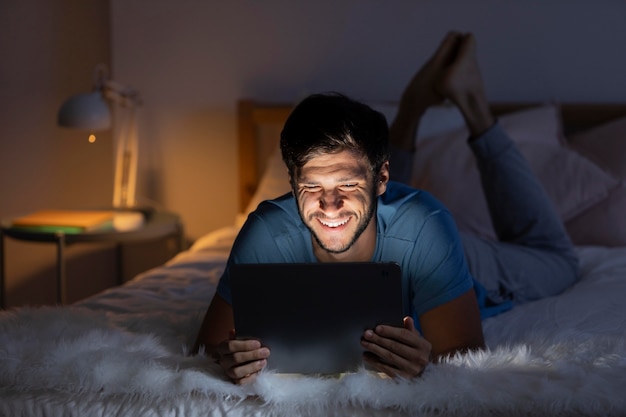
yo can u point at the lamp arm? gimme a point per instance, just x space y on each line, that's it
120 94
114 91
127 145
127 148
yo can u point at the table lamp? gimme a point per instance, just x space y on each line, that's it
91 112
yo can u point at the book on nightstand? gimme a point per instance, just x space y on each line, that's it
66 221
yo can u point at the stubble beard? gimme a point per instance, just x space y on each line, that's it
365 221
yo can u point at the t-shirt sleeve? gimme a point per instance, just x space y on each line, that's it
439 269
253 244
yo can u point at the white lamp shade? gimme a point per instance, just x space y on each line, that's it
85 111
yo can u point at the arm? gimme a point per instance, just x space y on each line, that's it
440 288
216 326
450 328
241 360
454 326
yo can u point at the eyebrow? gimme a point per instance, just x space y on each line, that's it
355 176
349 172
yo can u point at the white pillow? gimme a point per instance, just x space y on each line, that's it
605 222
274 183
605 145
437 119
445 166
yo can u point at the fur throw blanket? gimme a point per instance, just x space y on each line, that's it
56 359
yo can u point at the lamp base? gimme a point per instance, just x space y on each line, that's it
124 221
146 211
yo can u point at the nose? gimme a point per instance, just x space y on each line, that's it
331 200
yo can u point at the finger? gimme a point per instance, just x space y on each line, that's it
234 353
241 364
394 365
238 355
390 336
408 323
234 345
374 362
242 373
247 379
402 348
396 353
240 358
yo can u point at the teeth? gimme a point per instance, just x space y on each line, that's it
333 224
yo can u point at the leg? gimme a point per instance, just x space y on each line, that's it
534 257
421 93
451 73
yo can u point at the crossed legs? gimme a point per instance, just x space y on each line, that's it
533 256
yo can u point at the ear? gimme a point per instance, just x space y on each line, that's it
382 178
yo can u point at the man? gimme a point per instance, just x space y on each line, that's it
343 207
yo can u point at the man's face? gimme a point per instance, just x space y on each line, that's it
336 196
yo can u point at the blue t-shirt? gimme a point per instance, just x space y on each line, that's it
413 229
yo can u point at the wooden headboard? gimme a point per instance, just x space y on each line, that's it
255 147
260 124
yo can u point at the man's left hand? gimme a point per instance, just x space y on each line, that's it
397 351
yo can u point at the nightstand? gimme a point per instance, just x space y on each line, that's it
156 225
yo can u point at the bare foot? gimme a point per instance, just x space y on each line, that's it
462 83
422 92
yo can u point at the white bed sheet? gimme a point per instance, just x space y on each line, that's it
124 352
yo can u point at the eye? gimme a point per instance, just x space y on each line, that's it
348 186
311 188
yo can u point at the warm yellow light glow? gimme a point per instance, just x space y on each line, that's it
92 138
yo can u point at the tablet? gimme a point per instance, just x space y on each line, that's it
312 315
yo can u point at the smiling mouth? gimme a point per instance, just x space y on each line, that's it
333 223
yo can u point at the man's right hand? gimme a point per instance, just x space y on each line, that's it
242 360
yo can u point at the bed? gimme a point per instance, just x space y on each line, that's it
125 351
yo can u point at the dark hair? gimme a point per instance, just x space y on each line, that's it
331 123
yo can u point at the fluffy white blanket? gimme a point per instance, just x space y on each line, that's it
74 354
84 361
